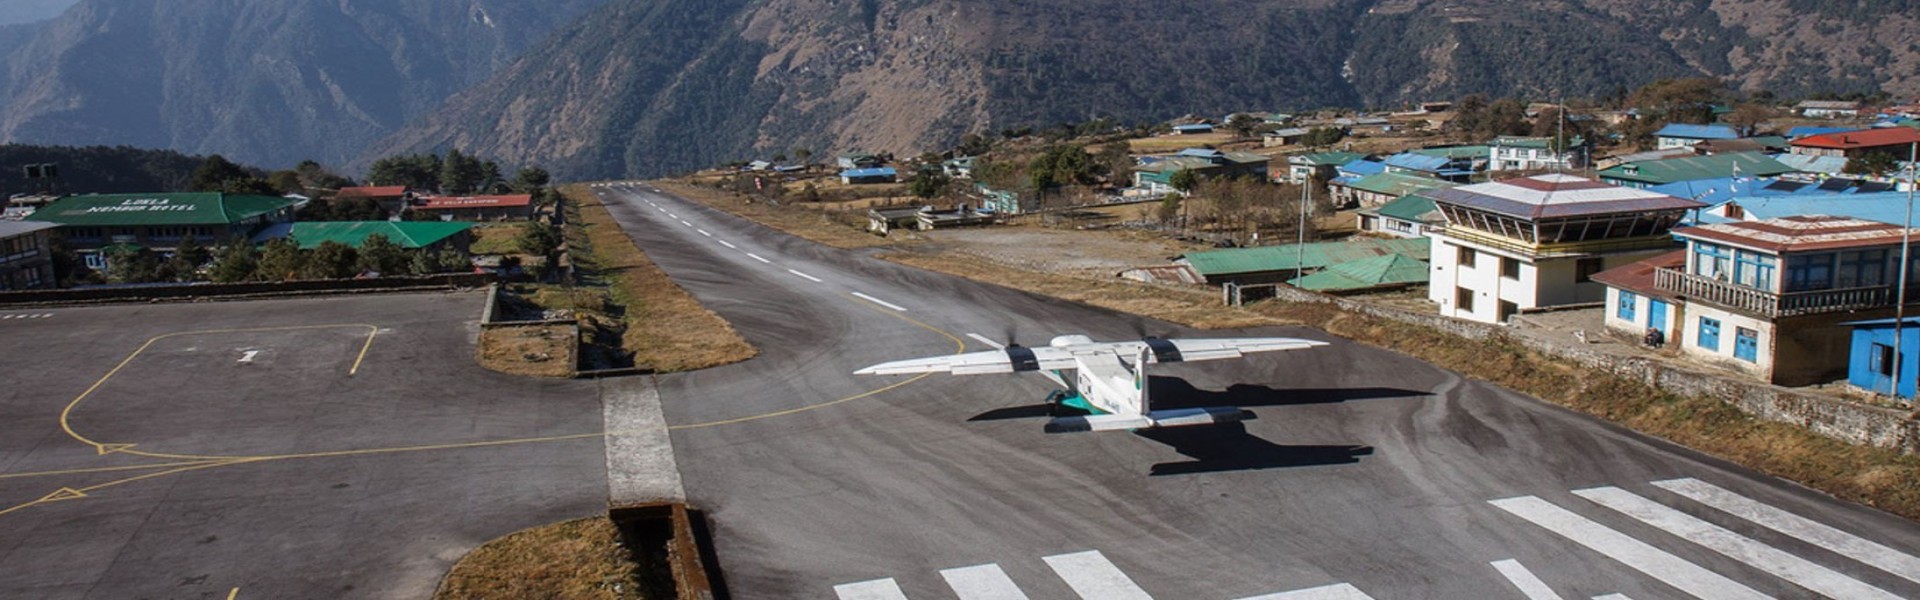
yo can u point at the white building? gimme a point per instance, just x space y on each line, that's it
1768 298
1828 109
1534 242
1514 153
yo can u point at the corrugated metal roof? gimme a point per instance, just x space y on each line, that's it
1865 138
408 234
18 228
1798 233
870 172
1556 195
1416 208
1319 255
1398 184
1457 152
1697 132
1807 163
1800 132
1418 162
1638 277
452 202
1750 164
1391 269
1327 158
1363 167
205 208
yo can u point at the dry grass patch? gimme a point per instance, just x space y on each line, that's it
532 350
819 226
580 559
496 238
1168 143
1197 308
665 328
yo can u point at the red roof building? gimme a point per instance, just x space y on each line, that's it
1850 144
478 208
375 192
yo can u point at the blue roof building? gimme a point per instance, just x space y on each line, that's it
1804 131
1681 135
1870 360
1361 168
1884 207
873 175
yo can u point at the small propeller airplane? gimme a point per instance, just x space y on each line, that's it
1112 391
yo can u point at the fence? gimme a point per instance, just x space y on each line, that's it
215 290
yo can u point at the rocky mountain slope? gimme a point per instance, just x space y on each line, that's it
263 82
644 87
601 88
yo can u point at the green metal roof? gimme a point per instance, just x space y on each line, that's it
1690 168
1391 269
1398 184
408 234
206 208
1520 141
1313 256
1411 208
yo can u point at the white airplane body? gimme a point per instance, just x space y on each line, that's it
1110 378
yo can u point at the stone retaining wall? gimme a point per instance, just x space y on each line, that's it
1832 417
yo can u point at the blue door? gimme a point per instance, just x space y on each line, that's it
1746 344
1657 315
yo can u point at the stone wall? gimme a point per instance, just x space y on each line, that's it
1832 417
254 289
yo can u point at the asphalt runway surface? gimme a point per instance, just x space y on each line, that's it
340 447
1367 474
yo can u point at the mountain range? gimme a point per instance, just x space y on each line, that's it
606 88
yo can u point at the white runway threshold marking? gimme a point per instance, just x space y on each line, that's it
728 244
758 258
1642 557
1093 577
1338 591
982 582
878 301
1525 580
804 276
878 589
1801 528
1612 597
1718 539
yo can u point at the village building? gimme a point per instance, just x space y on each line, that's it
1519 153
95 224
26 255
1897 142
1827 109
1684 135
858 160
869 176
1157 177
1664 171
1193 129
1277 264
391 198
1302 168
431 236
1374 191
1409 217
1536 242
1283 137
516 207
1769 298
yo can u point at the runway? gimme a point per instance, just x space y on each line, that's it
1367 474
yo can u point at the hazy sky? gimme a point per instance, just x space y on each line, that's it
28 11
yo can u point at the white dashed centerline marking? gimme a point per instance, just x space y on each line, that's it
728 244
684 222
805 276
880 302
704 232
757 257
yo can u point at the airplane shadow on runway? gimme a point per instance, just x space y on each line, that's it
1229 447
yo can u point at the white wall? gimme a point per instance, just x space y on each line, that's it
1690 338
1642 311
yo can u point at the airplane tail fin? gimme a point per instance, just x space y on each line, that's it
1180 417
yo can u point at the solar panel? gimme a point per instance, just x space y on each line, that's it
1836 184
1868 187
1786 186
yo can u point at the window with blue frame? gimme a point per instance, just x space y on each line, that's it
1809 272
1709 335
1746 344
1712 260
1755 270
1628 301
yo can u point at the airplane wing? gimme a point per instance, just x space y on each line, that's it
1195 350
1011 359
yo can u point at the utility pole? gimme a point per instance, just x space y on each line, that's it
1300 246
1906 267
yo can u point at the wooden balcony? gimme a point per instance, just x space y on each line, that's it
1766 304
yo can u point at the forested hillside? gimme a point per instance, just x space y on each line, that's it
98 169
